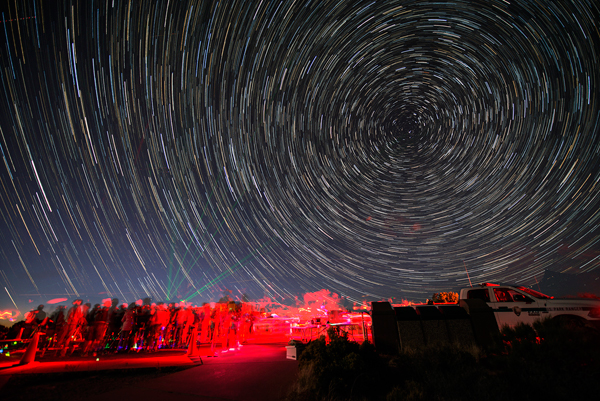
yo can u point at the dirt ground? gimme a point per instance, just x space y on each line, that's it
75 386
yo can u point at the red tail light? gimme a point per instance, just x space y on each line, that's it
595 313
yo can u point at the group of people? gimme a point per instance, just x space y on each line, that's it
139 326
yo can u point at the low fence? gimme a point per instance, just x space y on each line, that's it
470 322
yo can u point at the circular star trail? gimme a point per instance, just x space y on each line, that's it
181 148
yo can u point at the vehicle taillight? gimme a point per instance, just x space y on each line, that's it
595 313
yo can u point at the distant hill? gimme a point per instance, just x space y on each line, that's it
564 284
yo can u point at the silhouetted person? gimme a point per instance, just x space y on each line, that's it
59 320
33 320
98 330
74 321
158 322
125 336
114 320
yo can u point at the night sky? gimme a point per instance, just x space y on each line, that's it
180 149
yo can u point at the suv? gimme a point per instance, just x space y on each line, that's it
514 304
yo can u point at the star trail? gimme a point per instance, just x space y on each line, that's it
175 149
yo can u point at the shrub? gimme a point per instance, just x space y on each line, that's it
338 369
547 361
445 297
409 391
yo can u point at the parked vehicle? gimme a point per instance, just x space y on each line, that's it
516 304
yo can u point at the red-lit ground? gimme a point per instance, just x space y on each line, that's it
257 370
238 374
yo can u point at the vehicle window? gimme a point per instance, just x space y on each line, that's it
502 295
518 297
482 294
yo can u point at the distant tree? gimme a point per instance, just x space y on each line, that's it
445 297
588 295
346 303
3 332
225 299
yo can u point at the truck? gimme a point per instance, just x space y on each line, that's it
513 304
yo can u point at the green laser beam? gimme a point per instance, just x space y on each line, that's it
228 271
212 236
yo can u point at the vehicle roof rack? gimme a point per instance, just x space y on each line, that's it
489 285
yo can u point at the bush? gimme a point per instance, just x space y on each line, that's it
445 297
338 369
547 361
